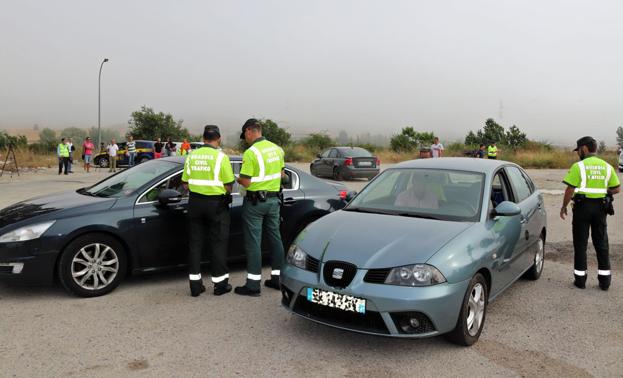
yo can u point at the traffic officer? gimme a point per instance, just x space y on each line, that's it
492 151
63 152
589 182
261 174
209 177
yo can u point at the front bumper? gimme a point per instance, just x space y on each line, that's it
27 263
437 307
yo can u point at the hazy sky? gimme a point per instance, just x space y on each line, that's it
556 67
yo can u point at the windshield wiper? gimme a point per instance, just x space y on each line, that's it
368 210
417 216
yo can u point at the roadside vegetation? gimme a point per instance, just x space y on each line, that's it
513 144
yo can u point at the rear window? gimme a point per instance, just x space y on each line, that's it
355 152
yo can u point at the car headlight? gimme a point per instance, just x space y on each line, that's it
297 257
26 233
415 275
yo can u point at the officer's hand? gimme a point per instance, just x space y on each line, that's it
563 213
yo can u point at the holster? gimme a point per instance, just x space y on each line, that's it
609 204
227 199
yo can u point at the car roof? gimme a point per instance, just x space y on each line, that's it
487 166
180 159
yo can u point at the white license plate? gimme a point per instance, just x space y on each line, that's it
365 164
335 300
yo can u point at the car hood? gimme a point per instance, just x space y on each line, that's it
373 241
50 206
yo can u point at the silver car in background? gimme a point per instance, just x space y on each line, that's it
421 251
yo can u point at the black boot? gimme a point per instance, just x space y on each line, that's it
196 288
580 281
604 282
245 290
222 287
273 283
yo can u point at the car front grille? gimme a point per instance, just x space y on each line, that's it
338 273
376 275
371 321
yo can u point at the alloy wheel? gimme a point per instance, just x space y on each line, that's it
476 309
95 266
539 257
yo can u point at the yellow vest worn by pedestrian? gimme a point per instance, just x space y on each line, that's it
207 171
592 177
63 150
263 163
492 151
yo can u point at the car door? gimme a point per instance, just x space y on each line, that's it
504 233
531 205
332 161
320 164
162 230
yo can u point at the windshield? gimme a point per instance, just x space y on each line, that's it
355 152
126 182
425 193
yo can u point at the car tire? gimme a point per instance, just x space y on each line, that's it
102 162
473 313
92 265
337 175
539 259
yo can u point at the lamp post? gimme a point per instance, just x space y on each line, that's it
99 104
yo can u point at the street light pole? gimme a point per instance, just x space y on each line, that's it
99 104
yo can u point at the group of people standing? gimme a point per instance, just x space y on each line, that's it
209 177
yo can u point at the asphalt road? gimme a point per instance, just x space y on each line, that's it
149 326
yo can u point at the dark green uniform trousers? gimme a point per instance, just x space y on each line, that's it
263 216
590 215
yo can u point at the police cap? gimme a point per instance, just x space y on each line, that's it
211 132
250 122
585 141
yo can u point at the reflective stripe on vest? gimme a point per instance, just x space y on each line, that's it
583 181
262 176
217 171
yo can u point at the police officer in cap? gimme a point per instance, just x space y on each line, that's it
209 176
261 174
591 182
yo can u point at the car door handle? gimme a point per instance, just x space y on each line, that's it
289 201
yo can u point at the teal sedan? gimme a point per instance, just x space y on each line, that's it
421 251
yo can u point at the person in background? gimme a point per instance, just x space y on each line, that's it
170 148
185 148
87 150
112 150
131 150
481 151
492 151
62 151
71 154
158 149
436 148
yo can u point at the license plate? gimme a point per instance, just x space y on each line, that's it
365 163
335 300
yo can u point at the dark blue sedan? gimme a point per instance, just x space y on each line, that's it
132 222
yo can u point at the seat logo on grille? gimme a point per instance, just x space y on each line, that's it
338 273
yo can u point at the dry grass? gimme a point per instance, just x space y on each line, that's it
28 159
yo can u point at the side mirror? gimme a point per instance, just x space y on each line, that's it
506 209
350 195
318 156
169 196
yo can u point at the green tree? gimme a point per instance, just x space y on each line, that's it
318 142
602 147
410 139
107 135
471 139
147 124
76 134
493 132
620 136
17 141
515 138
274 133
48 138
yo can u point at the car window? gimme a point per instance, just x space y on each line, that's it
174 182
325 154
235 166
143 145
499 190
520 185
333 153
355 152
429 193
128 181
